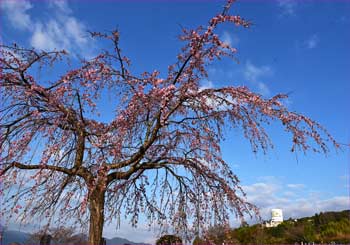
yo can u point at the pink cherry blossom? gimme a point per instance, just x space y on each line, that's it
160 154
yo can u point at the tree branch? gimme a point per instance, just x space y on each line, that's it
37 166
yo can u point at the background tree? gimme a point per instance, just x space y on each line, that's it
162 148
217 234
335 228
169 240
199 241
59 235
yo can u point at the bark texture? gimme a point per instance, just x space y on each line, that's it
96 216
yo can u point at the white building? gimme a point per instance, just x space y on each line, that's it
276 218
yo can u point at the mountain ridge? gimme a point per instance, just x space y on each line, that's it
20 237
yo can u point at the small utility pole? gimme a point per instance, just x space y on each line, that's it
198 212
103 241
45 239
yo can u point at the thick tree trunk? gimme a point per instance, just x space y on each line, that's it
96 206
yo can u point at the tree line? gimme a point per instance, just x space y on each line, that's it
325 227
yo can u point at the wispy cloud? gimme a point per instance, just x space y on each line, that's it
312 41
345 180
253 74
296 186
206 84
61 5
17 13
229 39
288 7
296 200
141 234
59 31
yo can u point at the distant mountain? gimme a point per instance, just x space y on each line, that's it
14 237
118 240
11 236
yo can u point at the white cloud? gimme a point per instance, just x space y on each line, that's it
263 89
65 33
205 84
17 13
312 42
345 180
254 73
287 6
61 5
229 39
294 199
309 206
270 179
43 37
61 30
290 194
141 234
296 186
76 31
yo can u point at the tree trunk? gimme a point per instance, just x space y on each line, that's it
96 206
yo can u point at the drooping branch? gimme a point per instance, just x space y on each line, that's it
161 150
35 167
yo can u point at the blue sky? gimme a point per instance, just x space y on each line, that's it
295 47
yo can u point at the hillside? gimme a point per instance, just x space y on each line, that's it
14 236
11 236
324 227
